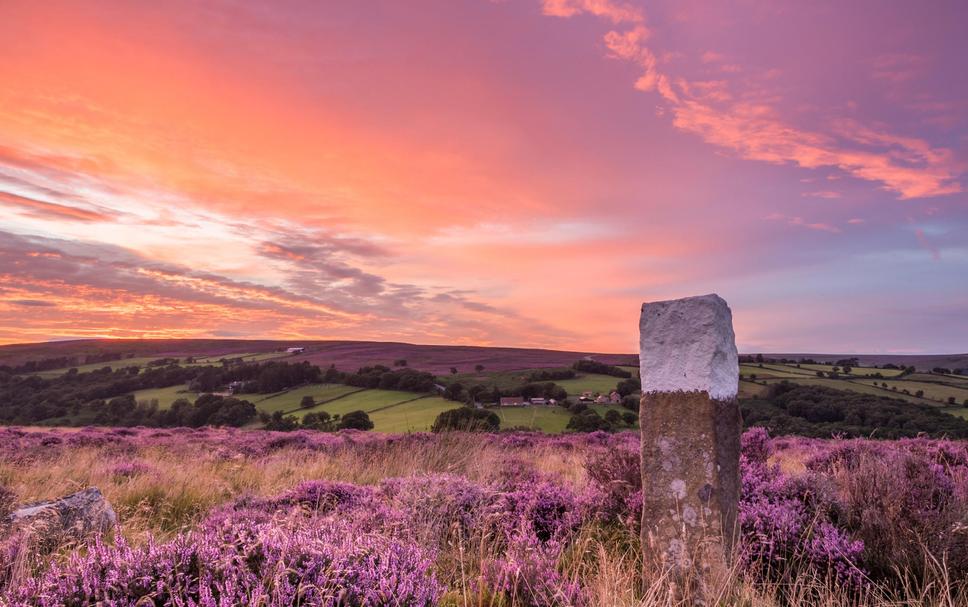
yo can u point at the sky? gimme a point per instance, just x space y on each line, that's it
514 172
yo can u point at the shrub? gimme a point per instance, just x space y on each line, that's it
244 563
467 419
355 420
588 420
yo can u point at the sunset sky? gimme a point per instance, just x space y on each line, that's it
506 172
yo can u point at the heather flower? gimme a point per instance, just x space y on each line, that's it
250 563
527 574
131 469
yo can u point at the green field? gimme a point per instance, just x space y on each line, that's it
871 371
551 419
164 396
859 371
857 386
934 391
748 389
767 371
290 400
508 380
249 358
602 384
364 400
413 416
114 364
951 380
142 361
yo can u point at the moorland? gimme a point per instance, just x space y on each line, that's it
245 473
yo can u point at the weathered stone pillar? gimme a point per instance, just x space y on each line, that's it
690 436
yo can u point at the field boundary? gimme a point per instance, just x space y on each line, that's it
327 401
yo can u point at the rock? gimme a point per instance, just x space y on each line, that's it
691 429
74 516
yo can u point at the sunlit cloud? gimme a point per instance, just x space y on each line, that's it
329 170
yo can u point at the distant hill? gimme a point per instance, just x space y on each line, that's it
349 355
346 355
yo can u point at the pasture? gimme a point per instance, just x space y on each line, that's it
544 418
164 396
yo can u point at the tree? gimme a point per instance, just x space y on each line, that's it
587 421
356 420
478 368
282 424
453 370
630 418
467 419
847 369
400 362
318 421
613 417
454 391
819 373
919 393
951 400
307 402
628 386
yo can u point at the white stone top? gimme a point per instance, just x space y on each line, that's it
688 345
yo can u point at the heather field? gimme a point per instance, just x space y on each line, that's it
230 517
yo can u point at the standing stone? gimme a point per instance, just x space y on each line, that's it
691 429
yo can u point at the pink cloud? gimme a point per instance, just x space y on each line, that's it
755 130
830 194
800 222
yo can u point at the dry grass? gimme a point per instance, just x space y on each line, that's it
160 491
170 489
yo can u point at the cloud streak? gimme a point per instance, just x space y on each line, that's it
755 130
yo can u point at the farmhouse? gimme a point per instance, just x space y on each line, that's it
586 396
614 398
295 350
539 401
512 401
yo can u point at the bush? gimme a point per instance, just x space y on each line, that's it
282 423
629 386
244 563
355 420
588 421
593 366
613 417
467 419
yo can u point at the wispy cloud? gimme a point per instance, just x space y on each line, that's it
40 208
754 128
